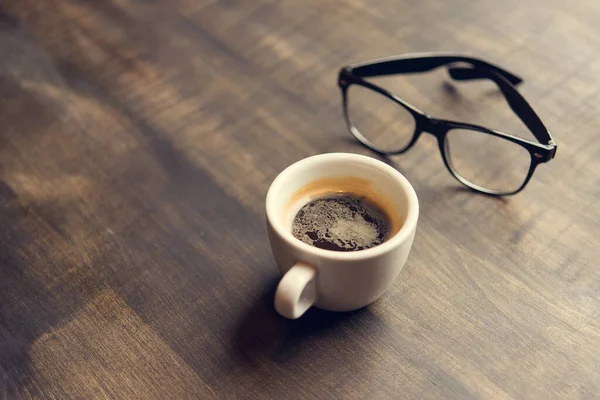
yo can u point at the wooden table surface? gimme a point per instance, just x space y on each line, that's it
138 139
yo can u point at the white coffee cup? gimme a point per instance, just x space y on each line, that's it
335 280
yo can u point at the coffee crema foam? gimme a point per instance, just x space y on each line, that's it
361 190
341 222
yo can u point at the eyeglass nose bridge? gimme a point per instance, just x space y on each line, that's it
433 126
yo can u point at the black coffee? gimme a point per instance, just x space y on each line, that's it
341 222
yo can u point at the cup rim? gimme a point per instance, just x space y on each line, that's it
407 228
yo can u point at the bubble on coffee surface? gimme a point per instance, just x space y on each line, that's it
341 222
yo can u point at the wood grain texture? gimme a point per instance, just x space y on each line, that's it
138 139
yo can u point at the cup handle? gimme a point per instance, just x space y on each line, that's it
296 291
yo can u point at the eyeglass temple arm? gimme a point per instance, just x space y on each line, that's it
470 73
414 63
517 103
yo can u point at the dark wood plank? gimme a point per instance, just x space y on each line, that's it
137 142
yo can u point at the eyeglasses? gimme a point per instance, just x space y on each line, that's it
485 160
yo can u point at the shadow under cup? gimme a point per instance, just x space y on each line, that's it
342 281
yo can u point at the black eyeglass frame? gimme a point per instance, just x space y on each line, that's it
460 67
